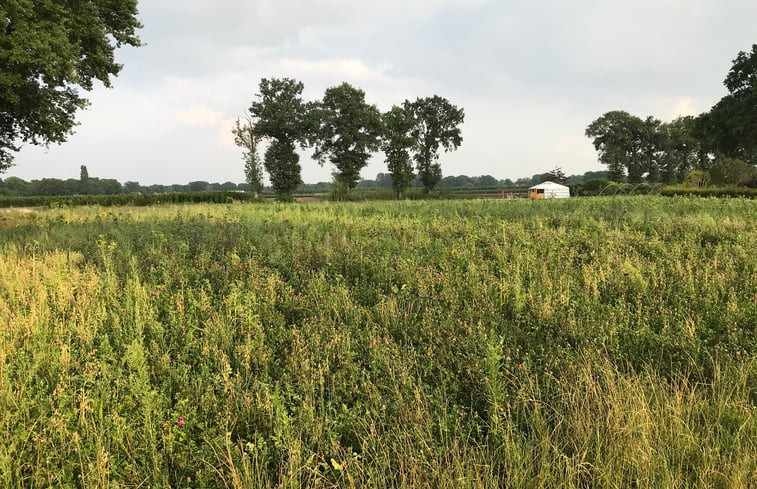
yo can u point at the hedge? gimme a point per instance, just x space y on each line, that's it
709 191
126 199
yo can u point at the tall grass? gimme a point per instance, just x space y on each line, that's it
587 343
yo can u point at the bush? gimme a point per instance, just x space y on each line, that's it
593 186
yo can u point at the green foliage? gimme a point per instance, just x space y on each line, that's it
697 178
556 175
437 125
594 186
48 49
578 343
283 118
397 144
283 165
730 127
680 149
131 199
707 191
347 132
630 147
730 171
247 138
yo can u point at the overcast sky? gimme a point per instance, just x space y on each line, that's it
530 74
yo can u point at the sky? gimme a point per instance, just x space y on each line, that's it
530 75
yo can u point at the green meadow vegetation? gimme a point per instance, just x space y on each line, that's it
598 342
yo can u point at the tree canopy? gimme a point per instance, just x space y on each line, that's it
397 143
730 127
48 51
721 141
437 125
347 133
282 117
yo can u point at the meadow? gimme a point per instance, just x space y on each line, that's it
584 343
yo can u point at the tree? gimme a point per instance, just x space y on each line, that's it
48 51
282 163
396 144
620 141
83 180
437 124
681 149
730 127
198 186
347 133
15 186
132 188
731 171
246 138
283 118
697 178
557 176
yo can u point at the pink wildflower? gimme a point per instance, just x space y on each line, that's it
181 421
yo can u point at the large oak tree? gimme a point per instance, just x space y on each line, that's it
437 126
397 143
348 132
49 51
282 118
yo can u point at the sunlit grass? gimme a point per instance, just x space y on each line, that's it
582 343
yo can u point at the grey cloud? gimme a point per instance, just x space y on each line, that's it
530 75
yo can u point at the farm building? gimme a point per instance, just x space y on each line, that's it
549 190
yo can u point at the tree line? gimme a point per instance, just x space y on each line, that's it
86 185
343 130
719 146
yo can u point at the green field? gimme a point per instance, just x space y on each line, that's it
584 343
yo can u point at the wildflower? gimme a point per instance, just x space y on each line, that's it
181 421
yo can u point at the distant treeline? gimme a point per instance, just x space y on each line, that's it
17 187
384 180
85 186
126 199
718 147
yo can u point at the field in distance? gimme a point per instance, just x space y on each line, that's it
576 343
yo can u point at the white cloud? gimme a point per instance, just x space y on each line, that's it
199 116
335 69
530 76
225 136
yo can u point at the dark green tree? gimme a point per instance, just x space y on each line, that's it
681 149
437 125
198 186
348 132
83 180
731 171
132 188
282 118
397 143
618 138
557 176
283 165
15 186
651 145
49 49
248 139
730 128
